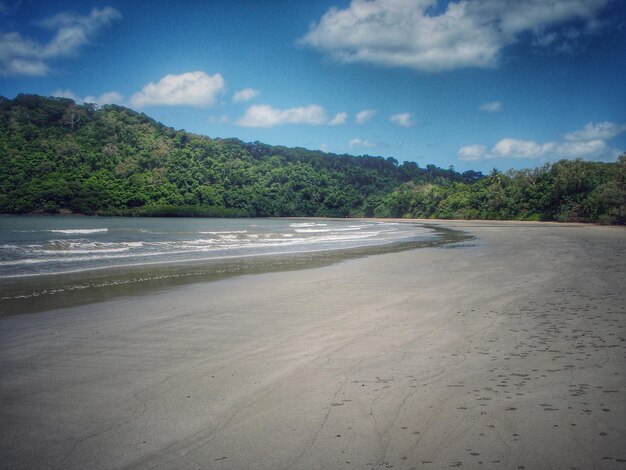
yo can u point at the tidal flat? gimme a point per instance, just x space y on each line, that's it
506 352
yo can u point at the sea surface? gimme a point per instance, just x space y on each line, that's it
50 263
40 245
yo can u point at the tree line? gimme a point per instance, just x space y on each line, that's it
567 191
60 156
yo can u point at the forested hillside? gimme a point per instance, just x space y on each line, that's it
59 156
568 191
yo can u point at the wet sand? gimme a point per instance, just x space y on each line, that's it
504 352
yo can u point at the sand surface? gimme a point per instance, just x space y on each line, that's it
505 352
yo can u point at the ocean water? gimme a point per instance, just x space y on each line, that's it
39 246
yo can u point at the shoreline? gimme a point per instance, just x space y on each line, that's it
373 219
29 293
505 354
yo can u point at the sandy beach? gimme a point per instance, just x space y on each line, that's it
508 351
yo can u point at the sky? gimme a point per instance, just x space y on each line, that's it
473 84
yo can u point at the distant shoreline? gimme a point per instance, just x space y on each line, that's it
381 219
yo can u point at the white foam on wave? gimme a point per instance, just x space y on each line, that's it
84 231
313 230
63 246
307 224
84 252
224 232
189 247
73 254
9 247
104 245
351 228
78 259
199 241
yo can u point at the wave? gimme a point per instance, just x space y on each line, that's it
84 252
224 232
82 231
80 250
307 224
313 230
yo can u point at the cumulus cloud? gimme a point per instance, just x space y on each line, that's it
192 88
472 153
403 119
591 143
362 143
363 116
66 93
431 36
110 97
263 115
20 55
339 119
515 148
602 130
491 107
245 95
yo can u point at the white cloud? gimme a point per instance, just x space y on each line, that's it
65 93
592 149
601 130
110 97
472 153
364 143
21 55
192 88
491 107
339 119
363 116
589 143
403 119
245 95
414 34
514 148
263 115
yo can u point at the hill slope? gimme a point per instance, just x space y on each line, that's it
60 155
57 155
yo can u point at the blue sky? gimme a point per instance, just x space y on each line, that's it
475 84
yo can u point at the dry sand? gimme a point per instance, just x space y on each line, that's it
506 352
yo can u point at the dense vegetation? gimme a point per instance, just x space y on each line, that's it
59 156
568 191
